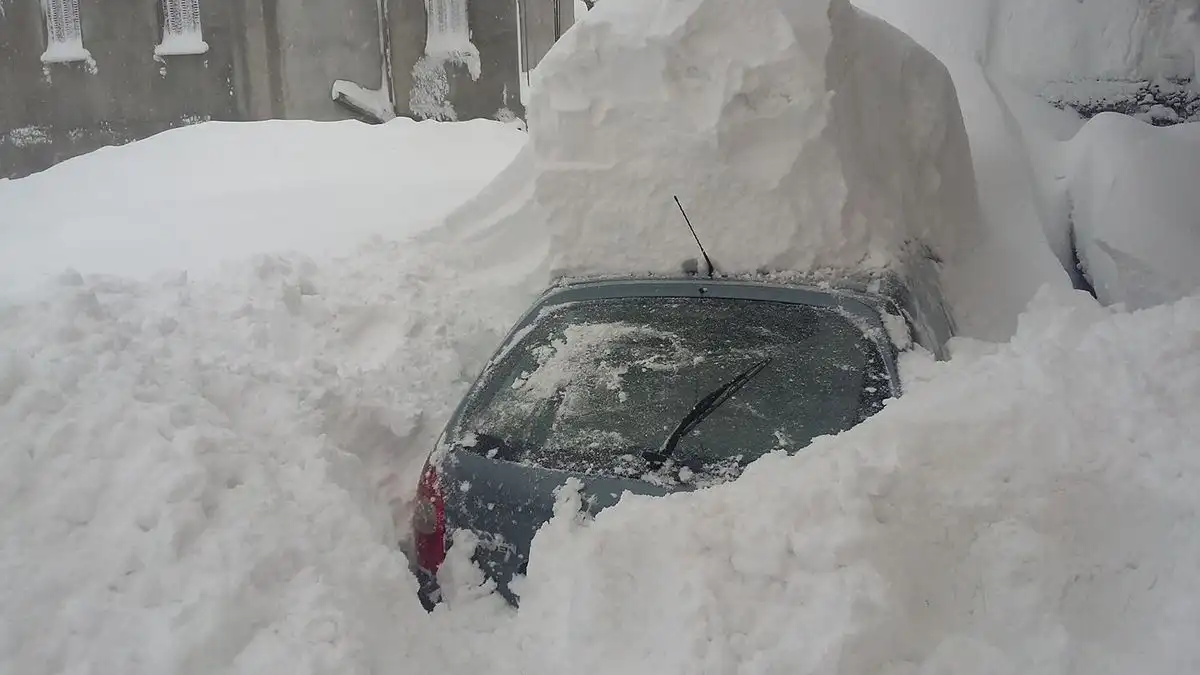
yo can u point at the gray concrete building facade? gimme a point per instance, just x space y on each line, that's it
76 75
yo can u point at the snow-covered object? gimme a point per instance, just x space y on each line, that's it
373 103
64 32
1026 511
182 32
1040 41
1136 209
798 135
447 42
378 105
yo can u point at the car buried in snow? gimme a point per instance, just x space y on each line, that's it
654 386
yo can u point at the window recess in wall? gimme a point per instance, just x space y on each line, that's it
64 33
181 33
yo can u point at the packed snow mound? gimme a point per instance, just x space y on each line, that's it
798 135
1136 209
1042 41
1029 509
194 197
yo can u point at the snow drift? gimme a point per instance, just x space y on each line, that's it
800 136
1136 209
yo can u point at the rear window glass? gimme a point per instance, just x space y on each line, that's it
593 384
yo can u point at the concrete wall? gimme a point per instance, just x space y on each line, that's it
319 41
267 59
543 22
49 113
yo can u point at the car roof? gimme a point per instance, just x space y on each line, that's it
914 299
868 304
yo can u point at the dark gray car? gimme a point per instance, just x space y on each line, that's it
651 387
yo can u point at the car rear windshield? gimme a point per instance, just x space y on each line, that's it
593 384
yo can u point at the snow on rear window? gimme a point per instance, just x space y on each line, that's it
594 383
591 357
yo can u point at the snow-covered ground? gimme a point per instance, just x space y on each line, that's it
210 472
195 197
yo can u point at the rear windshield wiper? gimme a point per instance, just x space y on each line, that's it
702 410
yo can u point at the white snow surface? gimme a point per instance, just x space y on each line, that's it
798 135
1136 208
194 197
1042 41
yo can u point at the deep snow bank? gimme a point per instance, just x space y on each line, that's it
194 197
799 136
1030 509
1136 208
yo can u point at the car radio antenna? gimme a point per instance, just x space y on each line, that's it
707 260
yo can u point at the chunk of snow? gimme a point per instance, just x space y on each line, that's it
841 163
799 136
23 137
1136 209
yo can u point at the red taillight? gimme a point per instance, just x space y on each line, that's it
429 521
